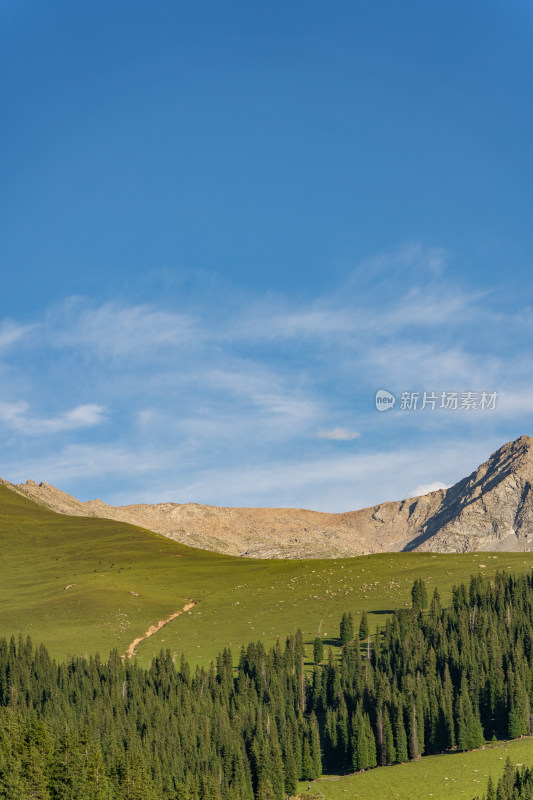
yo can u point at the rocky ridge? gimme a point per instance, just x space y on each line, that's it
490 510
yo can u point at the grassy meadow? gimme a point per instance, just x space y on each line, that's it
451 776
123 579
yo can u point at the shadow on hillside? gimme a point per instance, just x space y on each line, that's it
331 641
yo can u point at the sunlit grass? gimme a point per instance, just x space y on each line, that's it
238 599
454 776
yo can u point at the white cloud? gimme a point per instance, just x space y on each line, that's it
73 466
151 474
305 323
352 315
426 488
335 484
235 388
425 307
515 401
10 333
262 394
338 434
410 365
15 416
119 330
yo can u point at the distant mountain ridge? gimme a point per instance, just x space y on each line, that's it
490 510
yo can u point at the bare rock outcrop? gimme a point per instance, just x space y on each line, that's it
492 509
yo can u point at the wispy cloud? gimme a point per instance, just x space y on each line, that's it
239 398
336 483
338 434
118 330
11 332
16 416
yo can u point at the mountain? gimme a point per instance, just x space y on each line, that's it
490 510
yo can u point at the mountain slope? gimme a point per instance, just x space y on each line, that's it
84 585
492 509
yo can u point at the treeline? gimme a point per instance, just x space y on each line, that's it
89 730
432 679
514 784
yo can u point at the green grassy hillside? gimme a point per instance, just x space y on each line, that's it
237 599
455 776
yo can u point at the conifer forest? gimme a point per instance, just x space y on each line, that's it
430 680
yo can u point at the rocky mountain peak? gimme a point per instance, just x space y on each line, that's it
491 509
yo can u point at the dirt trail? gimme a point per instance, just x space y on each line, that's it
155 628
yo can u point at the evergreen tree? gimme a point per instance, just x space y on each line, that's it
360 756
88 730
389 750
308 762
400 737
469 730
314 737
419 595
346 629
435 607
371 742
318 650
518 707
290 773
363 627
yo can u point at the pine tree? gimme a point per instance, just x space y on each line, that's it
363 627
469 730
277 773
308 762
371 742
419 595
318 650
518 707
291 776
331 758
435 607
95 769
315 746
89 730
363 742
346 629
414 739
364 633
360 757
389 751
400 736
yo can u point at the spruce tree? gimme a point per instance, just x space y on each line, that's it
371 742
469 730
363 627
291 777
346 629
314 737
318 650
419 595
389 754
400 737
308 762
360 756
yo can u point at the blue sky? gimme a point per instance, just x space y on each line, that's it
225 226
